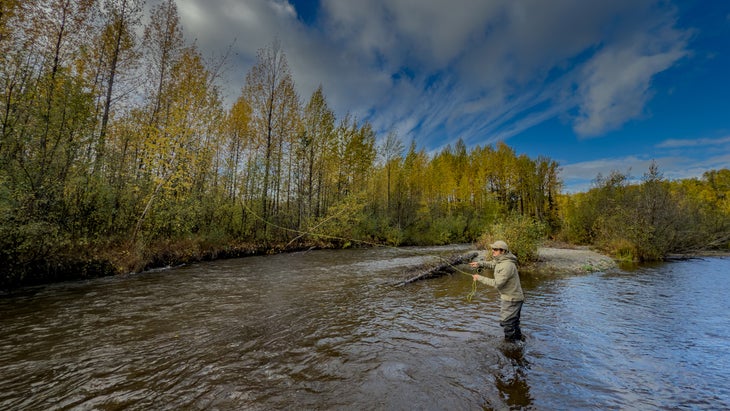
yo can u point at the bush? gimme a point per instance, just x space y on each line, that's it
622 250
522 234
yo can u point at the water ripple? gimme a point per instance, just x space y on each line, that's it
325 330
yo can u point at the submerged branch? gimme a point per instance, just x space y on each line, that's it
446 266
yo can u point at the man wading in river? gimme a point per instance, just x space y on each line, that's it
507 281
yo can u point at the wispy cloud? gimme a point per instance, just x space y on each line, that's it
500 67
698 142
517 61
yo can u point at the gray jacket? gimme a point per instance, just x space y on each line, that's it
506 278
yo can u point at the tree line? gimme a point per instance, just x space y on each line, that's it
118 153
651 219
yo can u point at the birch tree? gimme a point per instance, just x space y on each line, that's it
117 55
269 89
163 41
316 147
391 153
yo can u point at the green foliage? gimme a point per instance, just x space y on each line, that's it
342 224
523 235
441 230
576 219
31 250
648 221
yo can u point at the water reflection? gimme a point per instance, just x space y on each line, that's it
512 381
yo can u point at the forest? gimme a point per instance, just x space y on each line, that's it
118 154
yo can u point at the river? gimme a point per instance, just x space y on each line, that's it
328 330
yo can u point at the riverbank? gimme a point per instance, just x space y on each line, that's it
581 260
116 259
572 261
566 260
553 258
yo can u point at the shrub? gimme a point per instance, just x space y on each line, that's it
622 250
522 234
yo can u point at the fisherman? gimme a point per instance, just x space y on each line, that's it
507 281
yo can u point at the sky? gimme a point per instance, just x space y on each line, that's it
597 86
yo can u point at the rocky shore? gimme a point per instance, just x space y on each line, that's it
580 260
572 261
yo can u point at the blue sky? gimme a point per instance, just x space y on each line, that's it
596 85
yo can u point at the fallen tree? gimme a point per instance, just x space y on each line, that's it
440 268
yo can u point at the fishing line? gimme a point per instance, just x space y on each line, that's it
473 286
473 291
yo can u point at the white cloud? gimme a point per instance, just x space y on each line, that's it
616 82
482 71
499 53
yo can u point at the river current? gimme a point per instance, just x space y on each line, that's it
328 330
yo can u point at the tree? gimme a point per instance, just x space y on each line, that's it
47 109
46 117
316 141
163 40
391 154
238 139
116 55
415 214
357 156
269 89
164 43
657 214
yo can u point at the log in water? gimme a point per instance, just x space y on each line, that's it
432 270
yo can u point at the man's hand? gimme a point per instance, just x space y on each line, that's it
474 264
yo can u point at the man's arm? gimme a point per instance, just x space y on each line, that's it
483 264
485 280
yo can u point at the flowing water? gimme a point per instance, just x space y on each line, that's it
328 330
